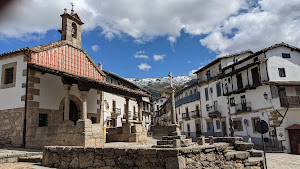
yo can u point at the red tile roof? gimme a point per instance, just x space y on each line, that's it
293 127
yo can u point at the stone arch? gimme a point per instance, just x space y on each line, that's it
74 30
75 99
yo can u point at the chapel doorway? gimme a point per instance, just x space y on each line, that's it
73 114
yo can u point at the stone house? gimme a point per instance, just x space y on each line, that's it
51 94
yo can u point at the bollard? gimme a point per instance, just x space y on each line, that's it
211 140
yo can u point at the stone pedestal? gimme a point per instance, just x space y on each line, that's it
201 140
89 135
174 130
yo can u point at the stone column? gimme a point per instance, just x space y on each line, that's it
83 95
127 110
67 88
173 115
140 110
101 108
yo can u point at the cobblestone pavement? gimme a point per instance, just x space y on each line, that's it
283 161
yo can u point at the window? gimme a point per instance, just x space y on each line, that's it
282 92
207 107
237 124
220 68
208 75
297 91
161 100
232 102
187 112
157 107
254 120
281 72
218 86
215 106
191 92
211 90
255 59
228 80
9 75
43 120
218 124
114 106
8 78
286 55
195 90
206 94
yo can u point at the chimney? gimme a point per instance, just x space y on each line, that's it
100 65
65 10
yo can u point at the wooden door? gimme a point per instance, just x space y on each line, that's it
210 129
243 102
255 76
73 114
224 130
189 129
239 81
295 141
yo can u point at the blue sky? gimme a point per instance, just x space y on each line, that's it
139 39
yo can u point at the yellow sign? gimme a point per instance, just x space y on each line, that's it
106 106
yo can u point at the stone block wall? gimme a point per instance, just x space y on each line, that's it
206 156
66 134
11 127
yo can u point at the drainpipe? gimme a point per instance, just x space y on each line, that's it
26 96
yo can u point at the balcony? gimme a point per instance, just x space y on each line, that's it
290 101
190 98
213 112
213 74
195 114
186 116
241 87
243 107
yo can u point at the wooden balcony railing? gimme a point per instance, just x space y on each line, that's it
290 101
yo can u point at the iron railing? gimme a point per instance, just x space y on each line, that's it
190 98
290 101
243 107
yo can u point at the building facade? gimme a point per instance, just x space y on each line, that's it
53 95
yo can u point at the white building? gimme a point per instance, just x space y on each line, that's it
213 104
157 105
265 85
114 105
188 110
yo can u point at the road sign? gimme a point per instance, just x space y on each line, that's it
262 127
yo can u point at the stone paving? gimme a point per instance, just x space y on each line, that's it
283 161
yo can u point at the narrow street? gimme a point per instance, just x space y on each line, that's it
283 161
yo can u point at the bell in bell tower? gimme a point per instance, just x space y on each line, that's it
71 28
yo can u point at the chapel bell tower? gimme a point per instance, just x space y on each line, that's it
71 28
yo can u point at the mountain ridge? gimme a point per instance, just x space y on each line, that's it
160 84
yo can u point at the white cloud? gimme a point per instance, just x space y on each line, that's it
158 57
95 48
172 39
140 54
136 19
272 21
191 72
230 26
189 62
144 66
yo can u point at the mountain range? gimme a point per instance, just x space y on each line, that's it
160 85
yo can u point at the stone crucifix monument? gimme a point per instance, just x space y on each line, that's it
174 127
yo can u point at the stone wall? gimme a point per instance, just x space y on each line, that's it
11 127
84 133
205 156
128 133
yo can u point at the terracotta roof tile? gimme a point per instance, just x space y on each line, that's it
293 127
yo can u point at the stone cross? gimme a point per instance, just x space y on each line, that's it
72 5
171 79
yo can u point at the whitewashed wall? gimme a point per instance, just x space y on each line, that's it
52 93
11 97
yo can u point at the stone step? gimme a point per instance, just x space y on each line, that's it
230 148
165 142
32 159
237 155
188 144
173 137
242 146
256 153
162 146
253 161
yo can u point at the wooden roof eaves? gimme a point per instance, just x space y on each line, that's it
130 92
